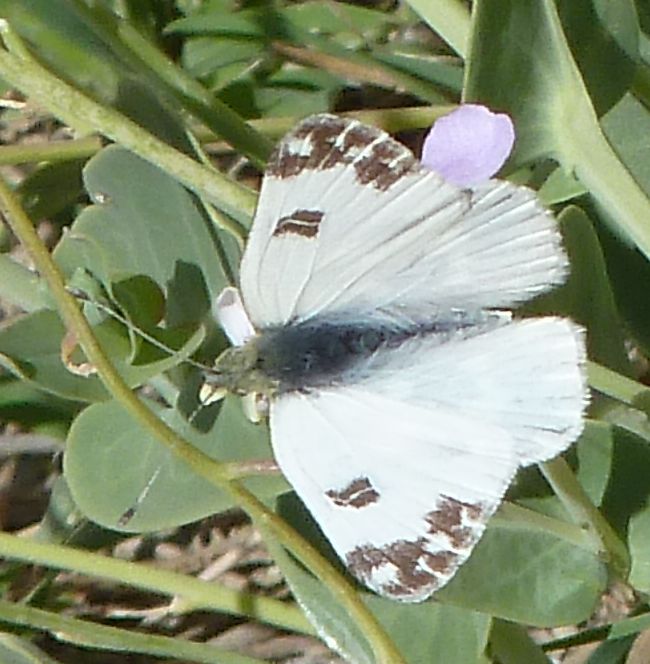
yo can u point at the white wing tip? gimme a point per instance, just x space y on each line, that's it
231 315
573 398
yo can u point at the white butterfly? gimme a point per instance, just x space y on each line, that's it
402 397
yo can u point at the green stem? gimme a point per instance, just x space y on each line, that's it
195 594
580 147
391 120
102 637
52 152
202 464
615 630
78 110
619 387
515 517
584 512
172 82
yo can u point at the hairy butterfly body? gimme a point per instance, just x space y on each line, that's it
403 396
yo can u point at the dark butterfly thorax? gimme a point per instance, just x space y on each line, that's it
314 354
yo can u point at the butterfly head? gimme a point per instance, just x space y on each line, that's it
236 371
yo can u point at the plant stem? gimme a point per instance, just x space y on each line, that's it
102 637
584 513
80 111
197 594
391 120
54 151
617 386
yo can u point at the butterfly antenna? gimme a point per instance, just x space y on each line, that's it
84 297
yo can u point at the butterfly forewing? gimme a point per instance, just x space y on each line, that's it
348 223
325 182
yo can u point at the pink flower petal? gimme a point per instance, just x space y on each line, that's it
230 312
469 145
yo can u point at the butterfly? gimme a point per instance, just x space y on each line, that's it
374 322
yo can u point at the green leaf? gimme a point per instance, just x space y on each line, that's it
31 349
34 409
519 45
604 40
444 633
594 456
439 71
298 92
56 32
516 46
20 286
15 650
511 644
50 189
322 608
112 465
639 538
627 501
527 574
560 186
204 56
353 26
627 126
612 651
141 298
145 223
587 296
218 21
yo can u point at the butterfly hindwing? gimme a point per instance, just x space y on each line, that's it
349 222
525 376
402 510
403 467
